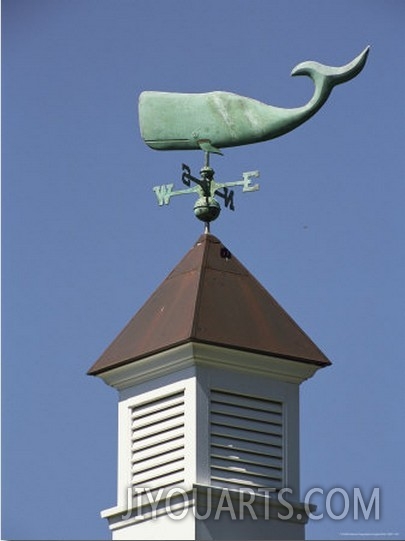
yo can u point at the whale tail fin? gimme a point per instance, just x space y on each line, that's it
326 77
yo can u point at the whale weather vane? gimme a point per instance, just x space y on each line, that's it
215 120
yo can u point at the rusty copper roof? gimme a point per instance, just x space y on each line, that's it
210 297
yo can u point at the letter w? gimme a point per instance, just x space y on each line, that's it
163 193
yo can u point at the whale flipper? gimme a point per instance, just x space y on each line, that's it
206 146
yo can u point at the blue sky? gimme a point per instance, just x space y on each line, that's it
85 243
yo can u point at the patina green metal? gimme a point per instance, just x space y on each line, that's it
214 120
206 207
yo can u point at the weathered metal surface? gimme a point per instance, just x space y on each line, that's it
210 297
206 207
215 120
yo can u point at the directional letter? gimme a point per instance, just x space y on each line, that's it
228 196
163 193
247 187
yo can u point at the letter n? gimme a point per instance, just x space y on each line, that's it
228 197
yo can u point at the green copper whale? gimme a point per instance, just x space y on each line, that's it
215 120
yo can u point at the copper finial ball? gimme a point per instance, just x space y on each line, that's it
207 209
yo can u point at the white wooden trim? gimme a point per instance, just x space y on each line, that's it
192 354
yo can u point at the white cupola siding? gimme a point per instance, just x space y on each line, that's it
208 374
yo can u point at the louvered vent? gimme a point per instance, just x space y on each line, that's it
246 441
158 442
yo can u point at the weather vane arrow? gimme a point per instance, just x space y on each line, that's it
214 120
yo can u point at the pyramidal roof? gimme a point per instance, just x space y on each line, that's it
210 297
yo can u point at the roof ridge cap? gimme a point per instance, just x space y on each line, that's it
202 271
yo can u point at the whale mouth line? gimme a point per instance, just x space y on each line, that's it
159 141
